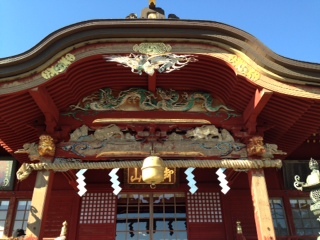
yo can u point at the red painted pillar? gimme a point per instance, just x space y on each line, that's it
261 205
39 205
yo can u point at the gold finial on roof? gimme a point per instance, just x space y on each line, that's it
152 3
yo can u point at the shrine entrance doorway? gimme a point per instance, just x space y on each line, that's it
150 216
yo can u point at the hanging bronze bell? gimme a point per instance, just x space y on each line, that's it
153 170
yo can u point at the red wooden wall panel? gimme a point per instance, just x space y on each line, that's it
205 218
238 206
201 231
63 206
96 231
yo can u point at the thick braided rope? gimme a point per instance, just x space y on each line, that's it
227 163
26 169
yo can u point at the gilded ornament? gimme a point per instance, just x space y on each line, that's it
244 68
256 147
46 146
135 176
152 48
150 63
58 67
153 57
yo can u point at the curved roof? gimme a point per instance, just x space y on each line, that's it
232 65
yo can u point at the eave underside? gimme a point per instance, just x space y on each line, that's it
285 120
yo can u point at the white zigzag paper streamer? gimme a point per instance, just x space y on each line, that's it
81 182
114 180
223 181
190 178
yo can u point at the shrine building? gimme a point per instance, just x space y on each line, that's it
158 128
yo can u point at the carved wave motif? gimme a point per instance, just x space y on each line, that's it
137 99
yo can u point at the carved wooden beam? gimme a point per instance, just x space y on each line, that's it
111 141
254 108
103 150
98 119
151 121
47 106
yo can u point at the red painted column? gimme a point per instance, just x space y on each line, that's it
39 205
261 205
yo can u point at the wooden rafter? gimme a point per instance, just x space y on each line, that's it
47 106
254 108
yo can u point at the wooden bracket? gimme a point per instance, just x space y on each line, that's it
254 108
47 106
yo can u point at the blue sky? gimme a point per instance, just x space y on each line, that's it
290 28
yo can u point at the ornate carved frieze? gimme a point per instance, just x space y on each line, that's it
204 141
58 67
154 57
111 142
109 132
137 99
184 148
